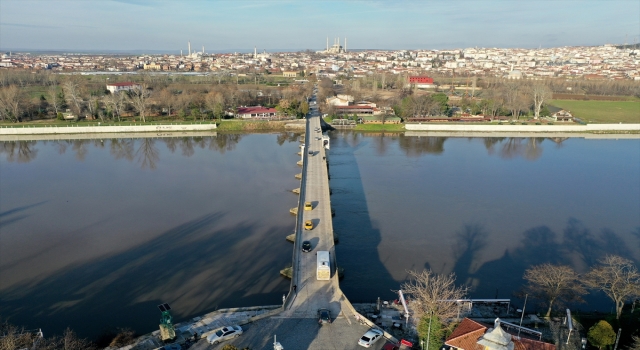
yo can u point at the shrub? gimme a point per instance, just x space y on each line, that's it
601 334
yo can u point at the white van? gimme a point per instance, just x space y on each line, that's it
324 266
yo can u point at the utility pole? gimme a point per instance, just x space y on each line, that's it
429 331
617 339
522 316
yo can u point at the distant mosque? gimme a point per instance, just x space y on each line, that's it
193 54
336 48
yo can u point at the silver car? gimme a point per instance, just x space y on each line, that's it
224 333
372 336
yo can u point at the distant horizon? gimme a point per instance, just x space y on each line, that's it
251 50
167 25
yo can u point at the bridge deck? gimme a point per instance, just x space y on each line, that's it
312 294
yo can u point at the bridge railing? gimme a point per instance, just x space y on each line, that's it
295 262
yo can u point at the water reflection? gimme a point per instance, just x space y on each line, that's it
528 148
417 146
144 150
148 154
92 242
477 209
19 151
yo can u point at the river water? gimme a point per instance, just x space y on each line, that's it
96 233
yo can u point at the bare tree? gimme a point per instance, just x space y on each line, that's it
167 99
116 102
433 294
512 97
140 99
540 94
636 343
72 93
618 278
553 284
54 98
11 102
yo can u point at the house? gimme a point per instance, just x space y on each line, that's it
360 111
340 100
256 112
125 86
472 335
562 116
289 74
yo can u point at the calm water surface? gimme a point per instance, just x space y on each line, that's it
484 208
95 234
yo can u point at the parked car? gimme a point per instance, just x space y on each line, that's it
224 333
369 338
306 246
324 316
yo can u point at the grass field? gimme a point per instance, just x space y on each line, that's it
602 111
379 127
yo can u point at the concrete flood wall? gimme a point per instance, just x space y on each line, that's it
76 129
106 136
588 128
616 136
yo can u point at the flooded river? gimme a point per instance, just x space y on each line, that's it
96 233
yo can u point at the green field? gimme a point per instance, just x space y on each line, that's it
379 127
602 111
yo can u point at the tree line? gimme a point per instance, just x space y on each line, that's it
47 96
436 312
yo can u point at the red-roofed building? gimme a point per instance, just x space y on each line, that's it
420 79
257 112
125 86
472 335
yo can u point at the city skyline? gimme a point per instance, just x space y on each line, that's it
227 26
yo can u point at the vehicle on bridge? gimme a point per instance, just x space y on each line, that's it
324 266
306 246
324 316
224 333
308 225
369 338
308 206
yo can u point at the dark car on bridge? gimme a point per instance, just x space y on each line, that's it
324 316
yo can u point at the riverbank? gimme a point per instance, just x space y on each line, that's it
292 125
98 128
491 128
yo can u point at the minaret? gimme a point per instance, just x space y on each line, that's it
255 52
327 43
203 49
345 45
189 42
180 53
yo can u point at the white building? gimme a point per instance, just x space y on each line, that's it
126 86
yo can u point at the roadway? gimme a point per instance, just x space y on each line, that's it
296 327
311 294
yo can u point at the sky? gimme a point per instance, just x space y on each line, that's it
273 25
